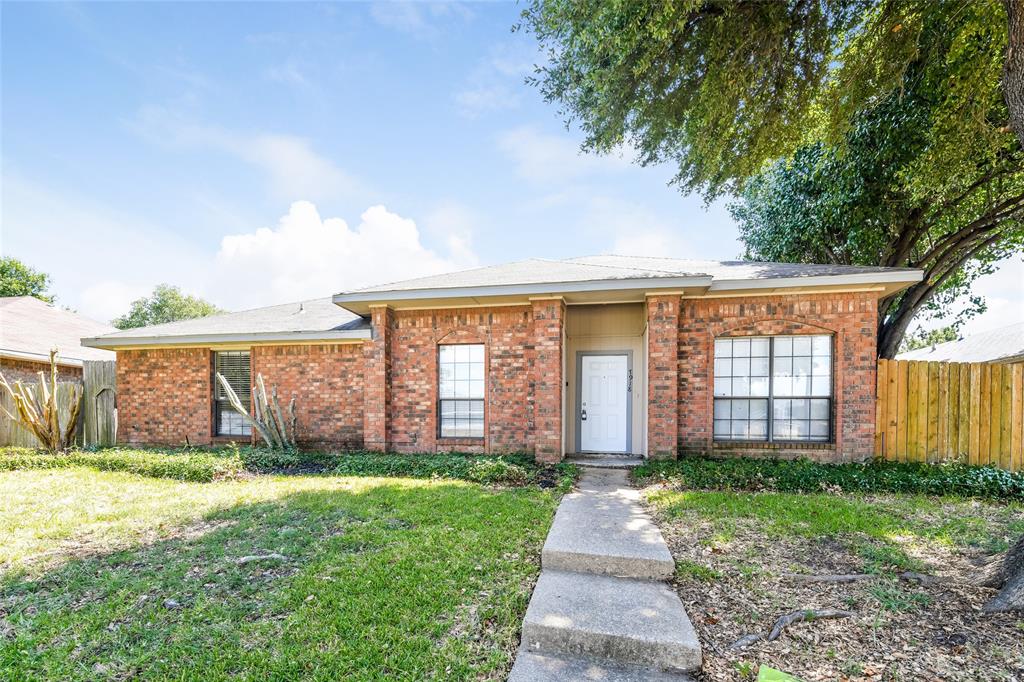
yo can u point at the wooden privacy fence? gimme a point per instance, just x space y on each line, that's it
97 418
943 411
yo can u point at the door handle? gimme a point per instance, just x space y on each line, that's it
583 415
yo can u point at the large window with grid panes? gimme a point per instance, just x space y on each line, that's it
460 369
234 367
773 388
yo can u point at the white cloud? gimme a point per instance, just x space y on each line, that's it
418 19
292 167
454 224
289 72
544 158
110 298
480 99
101 257
306 256
497 81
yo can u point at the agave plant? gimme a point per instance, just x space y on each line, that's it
38 408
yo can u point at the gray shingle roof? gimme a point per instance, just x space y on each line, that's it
318 316
611 267
323 319
29 328
732 269
998 345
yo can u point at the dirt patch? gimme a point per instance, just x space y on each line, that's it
902 629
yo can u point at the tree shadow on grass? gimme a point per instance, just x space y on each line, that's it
390 581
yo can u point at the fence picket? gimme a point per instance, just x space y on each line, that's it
935 412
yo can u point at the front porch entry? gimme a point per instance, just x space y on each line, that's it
604 388
605 379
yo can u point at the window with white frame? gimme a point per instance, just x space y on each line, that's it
773 388
461 390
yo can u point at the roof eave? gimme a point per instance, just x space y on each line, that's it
524 290
40 357
111 343
904 277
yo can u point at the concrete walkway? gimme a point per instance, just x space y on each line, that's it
600 610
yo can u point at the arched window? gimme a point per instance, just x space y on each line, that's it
773 388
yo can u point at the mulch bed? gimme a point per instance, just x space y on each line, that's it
902 629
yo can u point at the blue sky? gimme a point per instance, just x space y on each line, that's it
260 153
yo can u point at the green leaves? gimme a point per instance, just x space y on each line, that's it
167 304
18 279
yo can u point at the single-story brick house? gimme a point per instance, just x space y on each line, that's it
649 356
30 328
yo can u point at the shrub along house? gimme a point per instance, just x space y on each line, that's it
611 354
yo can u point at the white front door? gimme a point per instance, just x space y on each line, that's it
604 403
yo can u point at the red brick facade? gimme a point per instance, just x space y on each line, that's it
506 334
25 371
663 363
327 383
164 396
548 344
381 394
849 317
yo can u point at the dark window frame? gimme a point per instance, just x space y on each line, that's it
242 428
441 401
771 397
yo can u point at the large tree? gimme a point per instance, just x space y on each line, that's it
724 88
876 200
757 98
719 87
167 304
18 279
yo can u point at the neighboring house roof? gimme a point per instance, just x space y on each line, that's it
999 345
593 277
314 320
29 328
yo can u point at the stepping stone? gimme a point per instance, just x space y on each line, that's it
532 667
625 621
606 531
606 461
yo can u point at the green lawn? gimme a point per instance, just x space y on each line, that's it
384 578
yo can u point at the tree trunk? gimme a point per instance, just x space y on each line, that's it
1013 66
1006 574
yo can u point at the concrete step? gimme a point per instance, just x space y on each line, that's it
607 533
532 667
621 620
606 461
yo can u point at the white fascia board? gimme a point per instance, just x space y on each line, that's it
207 339
549 288
39 357
860 278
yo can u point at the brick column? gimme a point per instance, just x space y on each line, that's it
548 322
662 376
377 381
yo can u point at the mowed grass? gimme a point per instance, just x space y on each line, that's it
107 575
952 521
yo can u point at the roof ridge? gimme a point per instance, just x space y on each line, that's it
574 261
452 272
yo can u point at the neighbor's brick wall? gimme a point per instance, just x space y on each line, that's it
25 371
163 396
327 383
850 317
506 333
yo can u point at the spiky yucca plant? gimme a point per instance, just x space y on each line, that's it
39 411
